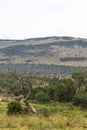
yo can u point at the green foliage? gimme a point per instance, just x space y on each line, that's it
9 83
51 92
14 107
80 99
65 90
42 96
62 89
36 90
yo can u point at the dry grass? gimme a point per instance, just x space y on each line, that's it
38 122
65 118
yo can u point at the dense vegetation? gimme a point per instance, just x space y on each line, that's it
60 89
73 59
61 103
58 95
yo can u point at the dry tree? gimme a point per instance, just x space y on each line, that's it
24 83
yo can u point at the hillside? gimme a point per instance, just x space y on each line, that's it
60 51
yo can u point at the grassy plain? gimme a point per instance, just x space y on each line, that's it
49 116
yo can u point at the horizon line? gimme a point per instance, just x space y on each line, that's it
38 37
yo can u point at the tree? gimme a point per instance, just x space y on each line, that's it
26 88
80 99
25 84
64 91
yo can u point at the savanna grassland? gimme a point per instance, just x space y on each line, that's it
53 100
49 116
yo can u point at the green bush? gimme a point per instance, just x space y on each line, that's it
64 93
14 107
42 96
51 92
35 91
80 99
65 90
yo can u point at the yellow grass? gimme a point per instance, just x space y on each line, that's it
39 122
67 117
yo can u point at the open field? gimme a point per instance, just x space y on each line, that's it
59 116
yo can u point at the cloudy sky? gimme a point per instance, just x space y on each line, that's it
20 19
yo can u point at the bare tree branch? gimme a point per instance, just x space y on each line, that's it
25 84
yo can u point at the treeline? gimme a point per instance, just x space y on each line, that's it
45 89
41 69
64 89
73 59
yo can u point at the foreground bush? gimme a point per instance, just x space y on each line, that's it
80 99
14 107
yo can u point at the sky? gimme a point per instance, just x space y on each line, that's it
22 19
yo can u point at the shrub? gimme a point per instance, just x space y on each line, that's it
51 92
65 90
64 93
14 107
42 96
35 91
80 99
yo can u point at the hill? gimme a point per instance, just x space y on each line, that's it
57 51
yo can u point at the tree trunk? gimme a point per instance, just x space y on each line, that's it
30 106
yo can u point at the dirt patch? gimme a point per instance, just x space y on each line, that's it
6 96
